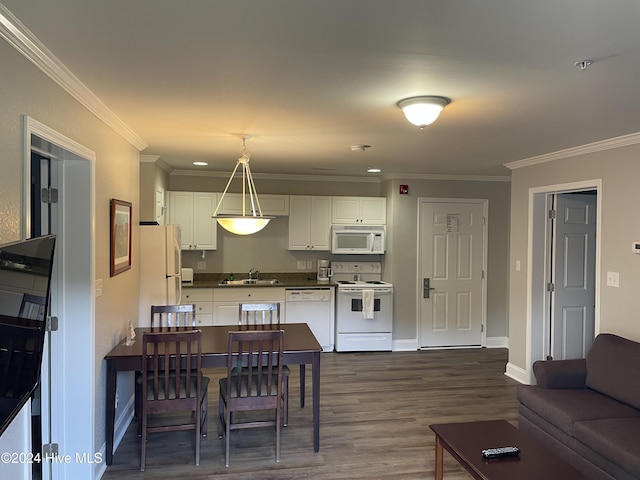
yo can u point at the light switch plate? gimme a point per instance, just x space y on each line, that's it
613 279
98 287
301 265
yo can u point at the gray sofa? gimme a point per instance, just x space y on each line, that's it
588 411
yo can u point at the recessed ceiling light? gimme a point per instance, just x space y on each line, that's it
359 147
373 170
200 163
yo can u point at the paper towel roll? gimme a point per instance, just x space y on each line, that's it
187 275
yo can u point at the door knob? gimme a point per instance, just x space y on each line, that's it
426 288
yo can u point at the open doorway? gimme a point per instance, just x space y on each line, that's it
563 313
66 411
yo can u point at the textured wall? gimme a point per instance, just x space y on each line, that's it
27 91
619 170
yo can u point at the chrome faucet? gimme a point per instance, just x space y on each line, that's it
253 271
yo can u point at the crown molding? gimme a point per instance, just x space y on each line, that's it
157 160
351 179
433 176
18 36
609 144
283 176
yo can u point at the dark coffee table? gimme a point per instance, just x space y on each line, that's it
465 442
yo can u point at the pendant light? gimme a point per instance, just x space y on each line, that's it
243 224
423 111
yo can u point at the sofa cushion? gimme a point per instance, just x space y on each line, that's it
616 439
563 407
613 368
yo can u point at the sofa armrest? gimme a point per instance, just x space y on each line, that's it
561 373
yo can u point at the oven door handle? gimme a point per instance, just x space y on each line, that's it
377 291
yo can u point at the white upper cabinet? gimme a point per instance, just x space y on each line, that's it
359 210
309 223
270 204
192 211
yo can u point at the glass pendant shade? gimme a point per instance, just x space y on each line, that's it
243 224
423 111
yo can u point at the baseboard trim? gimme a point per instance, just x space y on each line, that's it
410 345
497 342
517 374
120 428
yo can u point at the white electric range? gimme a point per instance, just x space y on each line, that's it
364 307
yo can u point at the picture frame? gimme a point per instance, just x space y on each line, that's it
120 237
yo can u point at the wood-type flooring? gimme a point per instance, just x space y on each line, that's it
375 412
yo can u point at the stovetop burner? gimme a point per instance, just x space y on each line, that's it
346 282
375 282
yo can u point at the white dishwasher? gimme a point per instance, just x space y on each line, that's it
315 307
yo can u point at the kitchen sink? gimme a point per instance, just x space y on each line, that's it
250 281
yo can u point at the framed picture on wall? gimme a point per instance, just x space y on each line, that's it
120 236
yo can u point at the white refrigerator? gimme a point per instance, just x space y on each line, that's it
160 268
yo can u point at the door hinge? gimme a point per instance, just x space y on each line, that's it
50 450
49 195
551 287
553 214
52 324
481 327
482 276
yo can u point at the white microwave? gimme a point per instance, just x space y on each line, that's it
358 239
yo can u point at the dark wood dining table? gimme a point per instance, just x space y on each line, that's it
300 347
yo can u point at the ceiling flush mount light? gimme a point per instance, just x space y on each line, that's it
200 164
373 170
243 224
423 111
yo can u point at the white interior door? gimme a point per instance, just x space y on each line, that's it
68 400
452 251
573 275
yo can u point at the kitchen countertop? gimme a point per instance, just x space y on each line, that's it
287 280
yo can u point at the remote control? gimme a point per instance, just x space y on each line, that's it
500 452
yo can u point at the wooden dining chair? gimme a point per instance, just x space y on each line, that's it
163 316
173 315
255 314
253 382
172 382
32 307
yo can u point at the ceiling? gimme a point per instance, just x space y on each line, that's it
308 79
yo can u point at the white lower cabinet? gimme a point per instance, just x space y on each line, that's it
202 298
226 301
